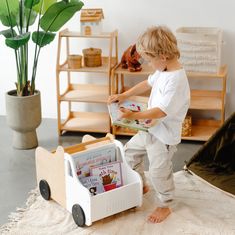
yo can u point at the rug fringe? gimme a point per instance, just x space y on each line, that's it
15 217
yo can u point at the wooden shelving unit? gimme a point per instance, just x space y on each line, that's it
207 100
82 121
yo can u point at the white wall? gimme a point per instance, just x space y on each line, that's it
131 17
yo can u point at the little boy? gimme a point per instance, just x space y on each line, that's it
168 102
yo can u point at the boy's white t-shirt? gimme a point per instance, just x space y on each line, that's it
171 93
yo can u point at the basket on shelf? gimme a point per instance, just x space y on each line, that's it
187 126
92 57
74 61
200 48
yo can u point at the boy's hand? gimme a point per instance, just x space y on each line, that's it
116 98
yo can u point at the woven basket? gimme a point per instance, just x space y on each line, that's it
200 48
74 61
92 57
187 126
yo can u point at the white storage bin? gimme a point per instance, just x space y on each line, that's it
58 180
200 48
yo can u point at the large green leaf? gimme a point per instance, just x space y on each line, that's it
18 41
33 16
7 22
58 14
31 3
8 33
13 7
46 5
42 38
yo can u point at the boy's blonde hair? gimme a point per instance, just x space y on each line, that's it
158 41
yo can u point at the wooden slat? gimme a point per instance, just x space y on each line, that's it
206 100
83 146
124 131
86 93
146 70
67 33
88 122
104 68
203 129
222 73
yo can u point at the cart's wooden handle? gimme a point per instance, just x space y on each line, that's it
89 144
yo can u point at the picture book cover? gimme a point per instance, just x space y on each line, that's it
134 106
93 184
110 175
84 160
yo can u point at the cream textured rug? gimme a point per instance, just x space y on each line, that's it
199 210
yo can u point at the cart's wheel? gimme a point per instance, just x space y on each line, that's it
78 215
45 189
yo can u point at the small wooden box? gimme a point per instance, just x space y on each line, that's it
187 126
92 57
74 61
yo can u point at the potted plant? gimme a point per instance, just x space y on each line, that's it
23 105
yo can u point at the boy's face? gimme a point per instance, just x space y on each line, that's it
157 63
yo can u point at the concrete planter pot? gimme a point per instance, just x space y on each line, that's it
23 116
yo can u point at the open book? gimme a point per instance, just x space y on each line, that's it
135 104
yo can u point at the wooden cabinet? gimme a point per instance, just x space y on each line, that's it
88 93
202 100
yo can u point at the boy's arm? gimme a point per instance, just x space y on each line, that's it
153 113
136 90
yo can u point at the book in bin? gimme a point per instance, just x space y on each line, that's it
93 157
135 104
98 169
110 174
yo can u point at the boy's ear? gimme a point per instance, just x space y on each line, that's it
163 57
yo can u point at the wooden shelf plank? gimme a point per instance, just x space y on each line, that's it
202 130
146 70
86 93
200 133
123 131
87 122
222 74
104 68
67 33
206 100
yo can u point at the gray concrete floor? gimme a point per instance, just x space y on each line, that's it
17 167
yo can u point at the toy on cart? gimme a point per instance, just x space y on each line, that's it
92 180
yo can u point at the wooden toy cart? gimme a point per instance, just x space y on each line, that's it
58 180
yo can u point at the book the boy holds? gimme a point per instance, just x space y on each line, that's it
135 104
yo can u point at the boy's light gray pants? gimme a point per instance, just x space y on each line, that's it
144 144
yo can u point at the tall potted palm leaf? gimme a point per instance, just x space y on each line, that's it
23 105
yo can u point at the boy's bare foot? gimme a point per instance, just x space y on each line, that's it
159 214
145 189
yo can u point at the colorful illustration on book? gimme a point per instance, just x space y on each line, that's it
87 159
93 184
140 124
110 175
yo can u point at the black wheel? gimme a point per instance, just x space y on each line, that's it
45 189
78 215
